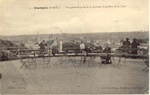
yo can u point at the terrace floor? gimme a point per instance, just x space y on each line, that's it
126 78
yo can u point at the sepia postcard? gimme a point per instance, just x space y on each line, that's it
74 47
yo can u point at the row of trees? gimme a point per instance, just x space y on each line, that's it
139 40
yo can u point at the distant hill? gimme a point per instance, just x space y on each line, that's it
115 36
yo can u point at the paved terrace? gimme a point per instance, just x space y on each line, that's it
127 78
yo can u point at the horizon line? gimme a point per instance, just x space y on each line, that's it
70 33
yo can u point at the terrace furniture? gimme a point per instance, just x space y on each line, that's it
146 61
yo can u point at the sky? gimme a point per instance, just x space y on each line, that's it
18 17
